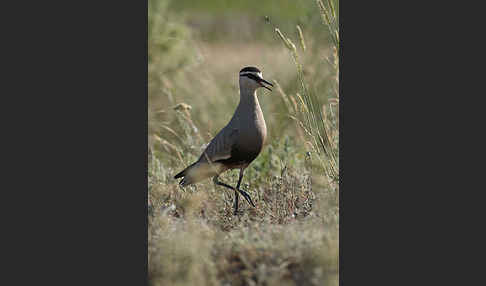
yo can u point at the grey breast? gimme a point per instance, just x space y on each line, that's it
252 133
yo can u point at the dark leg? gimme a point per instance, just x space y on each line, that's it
217 182
243 193
235 206
240 179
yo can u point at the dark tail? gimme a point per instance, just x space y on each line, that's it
183 172
180 174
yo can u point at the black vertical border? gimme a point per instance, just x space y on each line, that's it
79 216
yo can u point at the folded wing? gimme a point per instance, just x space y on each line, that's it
221 146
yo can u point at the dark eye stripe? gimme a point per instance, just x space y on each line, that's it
252 76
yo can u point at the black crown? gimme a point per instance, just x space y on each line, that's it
250 69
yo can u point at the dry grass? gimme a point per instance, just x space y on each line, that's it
291 236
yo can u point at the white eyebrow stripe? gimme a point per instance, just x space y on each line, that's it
245 73
253 73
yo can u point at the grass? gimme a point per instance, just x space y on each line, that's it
291 237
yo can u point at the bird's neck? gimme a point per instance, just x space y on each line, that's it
249 98
249 116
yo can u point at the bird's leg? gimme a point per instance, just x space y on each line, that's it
217 182
243 193
236 203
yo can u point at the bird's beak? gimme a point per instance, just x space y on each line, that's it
262 80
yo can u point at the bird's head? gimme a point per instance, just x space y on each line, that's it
251 78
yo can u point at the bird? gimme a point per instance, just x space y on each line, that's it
237 144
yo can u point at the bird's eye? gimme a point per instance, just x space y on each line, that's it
253 77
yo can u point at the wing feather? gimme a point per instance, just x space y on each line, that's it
221 146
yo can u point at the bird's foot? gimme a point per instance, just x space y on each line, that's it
247 197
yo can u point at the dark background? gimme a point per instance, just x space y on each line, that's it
74 183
